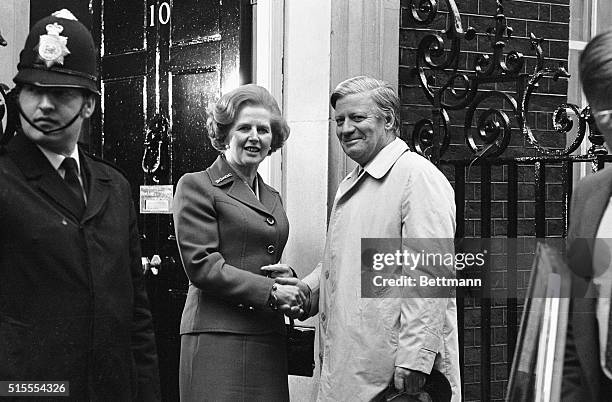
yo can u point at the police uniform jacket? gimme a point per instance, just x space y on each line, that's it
225 235
72 301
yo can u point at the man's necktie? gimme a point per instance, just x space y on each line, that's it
71 177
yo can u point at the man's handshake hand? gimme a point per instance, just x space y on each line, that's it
300 312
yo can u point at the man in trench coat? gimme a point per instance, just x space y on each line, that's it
73 306
373 348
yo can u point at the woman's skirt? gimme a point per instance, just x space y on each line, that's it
218 366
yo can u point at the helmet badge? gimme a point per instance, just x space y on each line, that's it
52 46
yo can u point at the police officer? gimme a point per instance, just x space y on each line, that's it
73 306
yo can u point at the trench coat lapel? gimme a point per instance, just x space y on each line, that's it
377 168
99 183
223 176
41 175
349 183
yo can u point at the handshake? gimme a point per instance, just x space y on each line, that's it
289 295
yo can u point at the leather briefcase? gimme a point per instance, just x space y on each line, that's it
300 349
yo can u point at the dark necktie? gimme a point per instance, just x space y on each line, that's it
71 177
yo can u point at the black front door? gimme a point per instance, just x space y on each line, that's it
162 63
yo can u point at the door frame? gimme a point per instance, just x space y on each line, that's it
268 52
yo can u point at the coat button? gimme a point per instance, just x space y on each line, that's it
271 249
326 274
322 316
270 221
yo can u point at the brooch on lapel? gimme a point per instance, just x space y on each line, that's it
219 180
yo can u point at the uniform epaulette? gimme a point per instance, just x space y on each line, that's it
107 163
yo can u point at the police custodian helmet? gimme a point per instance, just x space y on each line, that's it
59 52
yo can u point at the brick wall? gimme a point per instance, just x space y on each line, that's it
546 19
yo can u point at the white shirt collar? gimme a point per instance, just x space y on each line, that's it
56 159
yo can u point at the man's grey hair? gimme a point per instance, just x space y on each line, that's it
382 94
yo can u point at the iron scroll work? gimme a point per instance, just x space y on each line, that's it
7 118
431 137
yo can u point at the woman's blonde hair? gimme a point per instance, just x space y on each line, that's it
222 115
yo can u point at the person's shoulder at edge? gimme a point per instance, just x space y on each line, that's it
417 161
112 169
194 184
414 165
192 175
602 177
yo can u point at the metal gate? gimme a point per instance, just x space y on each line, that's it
490 325
502 189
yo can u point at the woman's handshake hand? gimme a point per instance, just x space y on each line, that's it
288 299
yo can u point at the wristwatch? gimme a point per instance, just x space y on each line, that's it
273 300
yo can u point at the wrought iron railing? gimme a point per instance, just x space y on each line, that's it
463 98
438 56
4 118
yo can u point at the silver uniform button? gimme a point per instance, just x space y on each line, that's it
271 249
270 221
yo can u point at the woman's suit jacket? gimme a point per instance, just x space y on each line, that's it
225 235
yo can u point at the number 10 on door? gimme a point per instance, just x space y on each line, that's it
163 14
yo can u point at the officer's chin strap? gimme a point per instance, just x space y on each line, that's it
31 123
